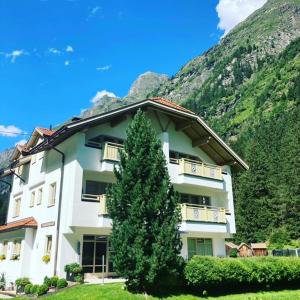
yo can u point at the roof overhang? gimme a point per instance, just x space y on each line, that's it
200 133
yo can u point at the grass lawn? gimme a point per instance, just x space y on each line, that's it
116 292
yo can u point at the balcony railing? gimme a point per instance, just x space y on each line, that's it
190 212
197 168
203 213
97 198
112 151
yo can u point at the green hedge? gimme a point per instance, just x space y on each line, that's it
211 273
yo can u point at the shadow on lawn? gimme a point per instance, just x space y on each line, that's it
218 291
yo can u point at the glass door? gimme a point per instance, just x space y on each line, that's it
94 254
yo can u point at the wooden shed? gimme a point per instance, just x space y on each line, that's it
259 249
229 246
244 250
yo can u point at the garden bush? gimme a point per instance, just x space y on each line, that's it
21 283
34 289
62 283
54 280
211 273
74 272
27 289
47 281
42 289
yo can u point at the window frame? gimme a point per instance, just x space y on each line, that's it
198 250
32 198
17 207
39 196
52 194
48 241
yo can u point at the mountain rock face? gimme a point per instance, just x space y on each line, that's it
144 85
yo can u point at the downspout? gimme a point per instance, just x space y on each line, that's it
59 206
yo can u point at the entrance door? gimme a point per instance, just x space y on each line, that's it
94 254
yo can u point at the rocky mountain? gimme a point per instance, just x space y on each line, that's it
144 85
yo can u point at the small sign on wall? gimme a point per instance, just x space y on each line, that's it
48 224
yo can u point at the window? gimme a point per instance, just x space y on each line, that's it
174 155
95 187
199 247
52 194
48 245
17 207
195 199
32 198
4 248
39 196
16 249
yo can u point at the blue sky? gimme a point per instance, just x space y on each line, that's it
56 55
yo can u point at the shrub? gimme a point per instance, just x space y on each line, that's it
21 283
54 281
79 278
278 238
47 281
42 289
233 252
34 289
62 283
28 288
209 273
73 271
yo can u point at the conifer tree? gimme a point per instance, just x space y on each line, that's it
144 209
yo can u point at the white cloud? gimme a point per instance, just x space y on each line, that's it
14 54
100 94
21 142
95 9
54 51
232 12
104 68
10 131
69 49
67 63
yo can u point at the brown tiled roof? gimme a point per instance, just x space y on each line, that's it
28 223
170 104
231 245
258 245
45 131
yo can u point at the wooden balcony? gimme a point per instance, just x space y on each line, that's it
97 198
202 213
190 212
111 151
196 168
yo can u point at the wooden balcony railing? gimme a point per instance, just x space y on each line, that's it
97 198
203 213
111 151
193 167
190 212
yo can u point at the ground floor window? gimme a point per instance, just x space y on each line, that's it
96 254
199 246
16 249
48 245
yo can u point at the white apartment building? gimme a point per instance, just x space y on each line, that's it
57 204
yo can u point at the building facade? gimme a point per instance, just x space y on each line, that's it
57 208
